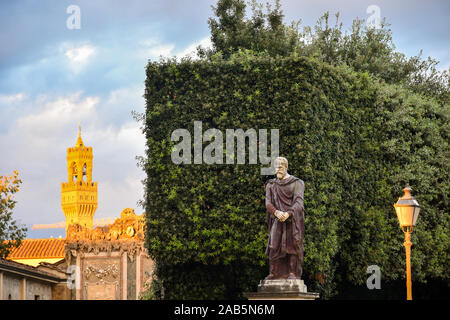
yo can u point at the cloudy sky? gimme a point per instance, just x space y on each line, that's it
52 77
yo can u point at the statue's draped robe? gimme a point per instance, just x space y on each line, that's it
285 238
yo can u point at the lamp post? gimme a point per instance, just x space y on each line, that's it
407 209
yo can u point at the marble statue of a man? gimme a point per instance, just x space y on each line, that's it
285 219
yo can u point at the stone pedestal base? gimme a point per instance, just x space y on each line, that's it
281 289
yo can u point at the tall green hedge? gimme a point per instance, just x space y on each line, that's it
354 141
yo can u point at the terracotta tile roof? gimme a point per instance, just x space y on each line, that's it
38 249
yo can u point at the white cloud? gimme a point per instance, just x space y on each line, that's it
78 56
148 42
57 114
153 48
128 95
37 140
154 52
12 98
191 50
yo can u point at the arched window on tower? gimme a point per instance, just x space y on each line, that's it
84 177
74 171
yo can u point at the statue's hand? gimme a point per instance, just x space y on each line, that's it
285 216
277 214
282 216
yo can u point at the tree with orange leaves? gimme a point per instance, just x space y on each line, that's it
11 233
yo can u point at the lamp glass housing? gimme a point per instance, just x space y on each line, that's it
407 209
407 215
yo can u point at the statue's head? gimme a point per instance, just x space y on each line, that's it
281 166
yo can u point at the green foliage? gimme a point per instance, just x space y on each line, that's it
351 128
340 131
361 48
11 233
265 32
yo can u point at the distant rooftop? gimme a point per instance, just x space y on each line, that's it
16 267
38 249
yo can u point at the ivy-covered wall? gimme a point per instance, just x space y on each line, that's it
355 142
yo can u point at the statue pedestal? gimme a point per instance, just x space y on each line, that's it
281 289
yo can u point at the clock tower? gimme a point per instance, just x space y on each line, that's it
79 194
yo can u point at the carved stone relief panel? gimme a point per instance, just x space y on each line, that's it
101 278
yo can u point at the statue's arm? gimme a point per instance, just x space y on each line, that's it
269 206
298 192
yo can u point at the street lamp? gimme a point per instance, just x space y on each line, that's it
407 209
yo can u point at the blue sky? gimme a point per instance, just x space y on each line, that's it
53 77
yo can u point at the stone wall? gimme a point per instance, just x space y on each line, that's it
36 290
61 291
11 287
131 278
